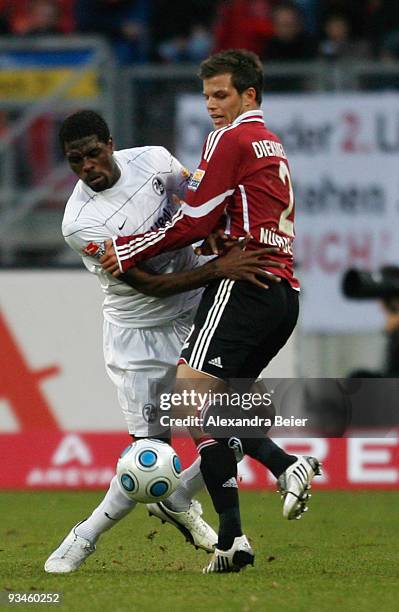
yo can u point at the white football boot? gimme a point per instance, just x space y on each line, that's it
189 522
294 485
70 554
233 560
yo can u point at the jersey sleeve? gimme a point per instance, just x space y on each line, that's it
207 196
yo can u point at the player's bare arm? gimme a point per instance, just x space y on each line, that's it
236 264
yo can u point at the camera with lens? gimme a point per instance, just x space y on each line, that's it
382 284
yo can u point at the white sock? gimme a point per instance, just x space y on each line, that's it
191 482
111 510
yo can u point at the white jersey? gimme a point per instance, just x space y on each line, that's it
139 201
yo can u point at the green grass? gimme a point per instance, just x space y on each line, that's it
343 555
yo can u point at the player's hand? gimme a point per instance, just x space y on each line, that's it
216 244
109 261
239 264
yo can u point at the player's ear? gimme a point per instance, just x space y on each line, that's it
250 96
110 143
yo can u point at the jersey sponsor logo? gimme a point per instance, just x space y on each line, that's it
196 179
268 148
158 186
94 250
166 216
185 172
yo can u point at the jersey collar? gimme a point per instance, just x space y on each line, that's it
256 114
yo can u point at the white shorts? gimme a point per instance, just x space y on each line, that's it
142 364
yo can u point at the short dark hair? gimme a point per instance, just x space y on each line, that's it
244 66
81 124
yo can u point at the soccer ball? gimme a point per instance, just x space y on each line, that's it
148 470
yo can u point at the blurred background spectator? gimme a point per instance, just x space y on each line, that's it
290 41
181 31
187 31
390 46
40 17
354 10
124 23
4 27
381 22
311 13
243 24
338 42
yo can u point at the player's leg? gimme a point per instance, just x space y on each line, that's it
81 540
191 482
294 474
231 324
184 512
251 327
280 310
132 367
203 367
219 468
154 375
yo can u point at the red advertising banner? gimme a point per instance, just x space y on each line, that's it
79 460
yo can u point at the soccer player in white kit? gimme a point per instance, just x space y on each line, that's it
147 312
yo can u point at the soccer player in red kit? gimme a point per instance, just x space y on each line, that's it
242 184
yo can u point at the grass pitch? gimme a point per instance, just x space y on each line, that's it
344 554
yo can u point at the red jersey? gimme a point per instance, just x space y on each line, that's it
244 180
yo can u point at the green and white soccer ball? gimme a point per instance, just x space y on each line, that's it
148 470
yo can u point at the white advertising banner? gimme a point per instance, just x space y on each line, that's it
52 372
343 151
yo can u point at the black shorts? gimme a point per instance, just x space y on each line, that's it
239 328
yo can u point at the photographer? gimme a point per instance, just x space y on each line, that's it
391 312
383 286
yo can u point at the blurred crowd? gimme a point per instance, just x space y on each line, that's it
187 31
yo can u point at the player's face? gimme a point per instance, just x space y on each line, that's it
223 102
92 161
